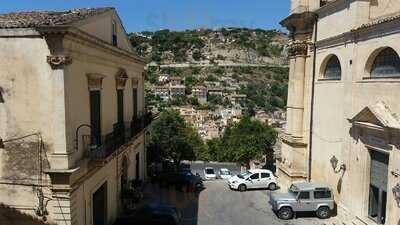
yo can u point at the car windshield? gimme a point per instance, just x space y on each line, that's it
209 171
225 172
293 190
244 174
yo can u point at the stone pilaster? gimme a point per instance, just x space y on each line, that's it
298 53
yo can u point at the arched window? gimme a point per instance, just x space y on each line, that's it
386 64
333 69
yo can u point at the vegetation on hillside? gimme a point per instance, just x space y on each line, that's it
197 45
172 138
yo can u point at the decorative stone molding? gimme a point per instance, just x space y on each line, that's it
299 48
95 81
58 61
135 82
120 78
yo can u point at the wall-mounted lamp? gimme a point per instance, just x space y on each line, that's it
334 163
395 173
396 193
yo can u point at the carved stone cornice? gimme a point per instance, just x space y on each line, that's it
299 23
120 78
135 82
95 81
298 48
58 61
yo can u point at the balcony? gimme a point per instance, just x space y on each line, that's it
101 147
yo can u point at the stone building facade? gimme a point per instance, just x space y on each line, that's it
72 116
344 84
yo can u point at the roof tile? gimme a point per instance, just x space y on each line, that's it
47 18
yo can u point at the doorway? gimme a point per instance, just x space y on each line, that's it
99 207
378 186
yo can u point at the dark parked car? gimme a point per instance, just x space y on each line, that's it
151 214
181 179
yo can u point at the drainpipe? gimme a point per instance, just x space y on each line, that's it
310 142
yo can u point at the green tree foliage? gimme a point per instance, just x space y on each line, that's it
211 78
246 140
172 138
197 55
214 99
191 80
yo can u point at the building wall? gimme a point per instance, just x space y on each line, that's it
30 91
338 101
81 211
54 102
380 8
101 27
94 61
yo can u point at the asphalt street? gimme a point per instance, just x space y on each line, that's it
218 205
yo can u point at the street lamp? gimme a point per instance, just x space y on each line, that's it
334 163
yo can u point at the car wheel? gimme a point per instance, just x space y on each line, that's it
285 213
323 212
272 186
242 187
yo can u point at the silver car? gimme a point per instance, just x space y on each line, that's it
303 197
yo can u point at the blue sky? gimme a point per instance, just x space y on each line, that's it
150 15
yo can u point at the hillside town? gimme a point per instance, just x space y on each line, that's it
211 123
101 124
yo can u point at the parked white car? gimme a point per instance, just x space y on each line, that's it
252 179
225 174
209 173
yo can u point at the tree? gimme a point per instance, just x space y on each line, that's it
197 55
248 139
191 80
172 138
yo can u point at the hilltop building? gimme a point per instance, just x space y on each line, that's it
162 92
72 116
215 91
200 92
343 124
237 99
177 90
175 80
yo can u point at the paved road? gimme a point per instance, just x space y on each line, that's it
218 205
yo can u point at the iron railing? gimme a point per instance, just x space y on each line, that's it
100 147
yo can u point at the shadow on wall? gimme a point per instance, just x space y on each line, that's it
1 95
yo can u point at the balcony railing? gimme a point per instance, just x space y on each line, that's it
97 148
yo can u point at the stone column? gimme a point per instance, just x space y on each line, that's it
298 50
289 104
298 98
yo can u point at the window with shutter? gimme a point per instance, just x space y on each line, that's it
95 116
120 105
